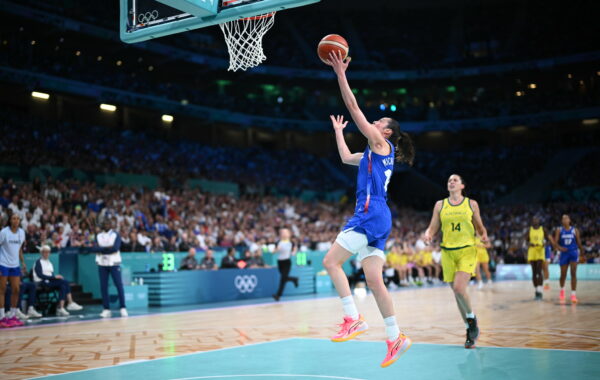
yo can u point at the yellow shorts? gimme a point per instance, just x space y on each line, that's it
483 256
536 253
458 260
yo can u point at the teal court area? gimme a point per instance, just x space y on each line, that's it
300 358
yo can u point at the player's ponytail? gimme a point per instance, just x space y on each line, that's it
405 150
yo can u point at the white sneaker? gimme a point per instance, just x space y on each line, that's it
106 313
21 316
32 313
61 312
479 285
74 306
124 312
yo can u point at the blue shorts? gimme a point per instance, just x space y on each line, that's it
376 223
568 257
10 272
548 253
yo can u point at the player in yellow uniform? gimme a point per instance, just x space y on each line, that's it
392 261
403 269
458 217
483 262
536 254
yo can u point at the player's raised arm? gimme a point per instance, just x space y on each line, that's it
339 65
347 157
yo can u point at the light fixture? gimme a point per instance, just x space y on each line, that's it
108 107
590 121
519 93
532 85
167 118
40 95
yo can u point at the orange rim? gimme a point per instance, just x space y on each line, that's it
259 17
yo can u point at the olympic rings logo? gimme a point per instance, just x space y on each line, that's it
245 284
145 18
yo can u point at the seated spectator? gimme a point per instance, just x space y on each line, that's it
189 262
256 260
208 261
229 261
44 274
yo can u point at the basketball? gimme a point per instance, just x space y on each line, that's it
332 43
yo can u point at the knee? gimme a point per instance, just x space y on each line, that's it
330 263
459 289
376 284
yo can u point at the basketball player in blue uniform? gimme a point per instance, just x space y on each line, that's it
12 238
366 232
568 242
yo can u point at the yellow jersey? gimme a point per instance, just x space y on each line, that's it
536 236
393 259
457 225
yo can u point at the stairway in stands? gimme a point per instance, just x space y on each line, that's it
83 298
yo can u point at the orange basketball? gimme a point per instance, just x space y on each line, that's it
332 43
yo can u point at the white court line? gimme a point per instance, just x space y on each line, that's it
268 375
166 357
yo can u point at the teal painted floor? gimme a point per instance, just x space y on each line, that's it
301 358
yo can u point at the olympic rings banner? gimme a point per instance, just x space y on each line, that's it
201 286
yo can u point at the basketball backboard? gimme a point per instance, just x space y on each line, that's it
142 20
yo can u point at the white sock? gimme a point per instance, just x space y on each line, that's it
538 289
562 289
572 292
2 315
13 312
349 307
471 315
391 328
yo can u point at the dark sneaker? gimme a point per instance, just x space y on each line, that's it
472 333
538 295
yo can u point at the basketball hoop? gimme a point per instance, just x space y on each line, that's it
244 38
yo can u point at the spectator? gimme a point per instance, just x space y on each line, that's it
189 262
208 261
43 274
229 261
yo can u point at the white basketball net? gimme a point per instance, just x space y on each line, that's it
244 40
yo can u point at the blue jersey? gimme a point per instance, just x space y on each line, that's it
374 174
567 239
372 215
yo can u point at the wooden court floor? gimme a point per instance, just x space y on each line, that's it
508 317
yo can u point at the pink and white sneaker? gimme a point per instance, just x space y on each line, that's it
4 323
350 329
16 322
561 296
395 349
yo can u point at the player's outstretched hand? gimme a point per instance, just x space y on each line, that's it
338 122
339 65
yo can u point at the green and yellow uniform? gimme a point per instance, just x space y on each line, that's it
458 239
536 244
482 252
403 259
393 259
